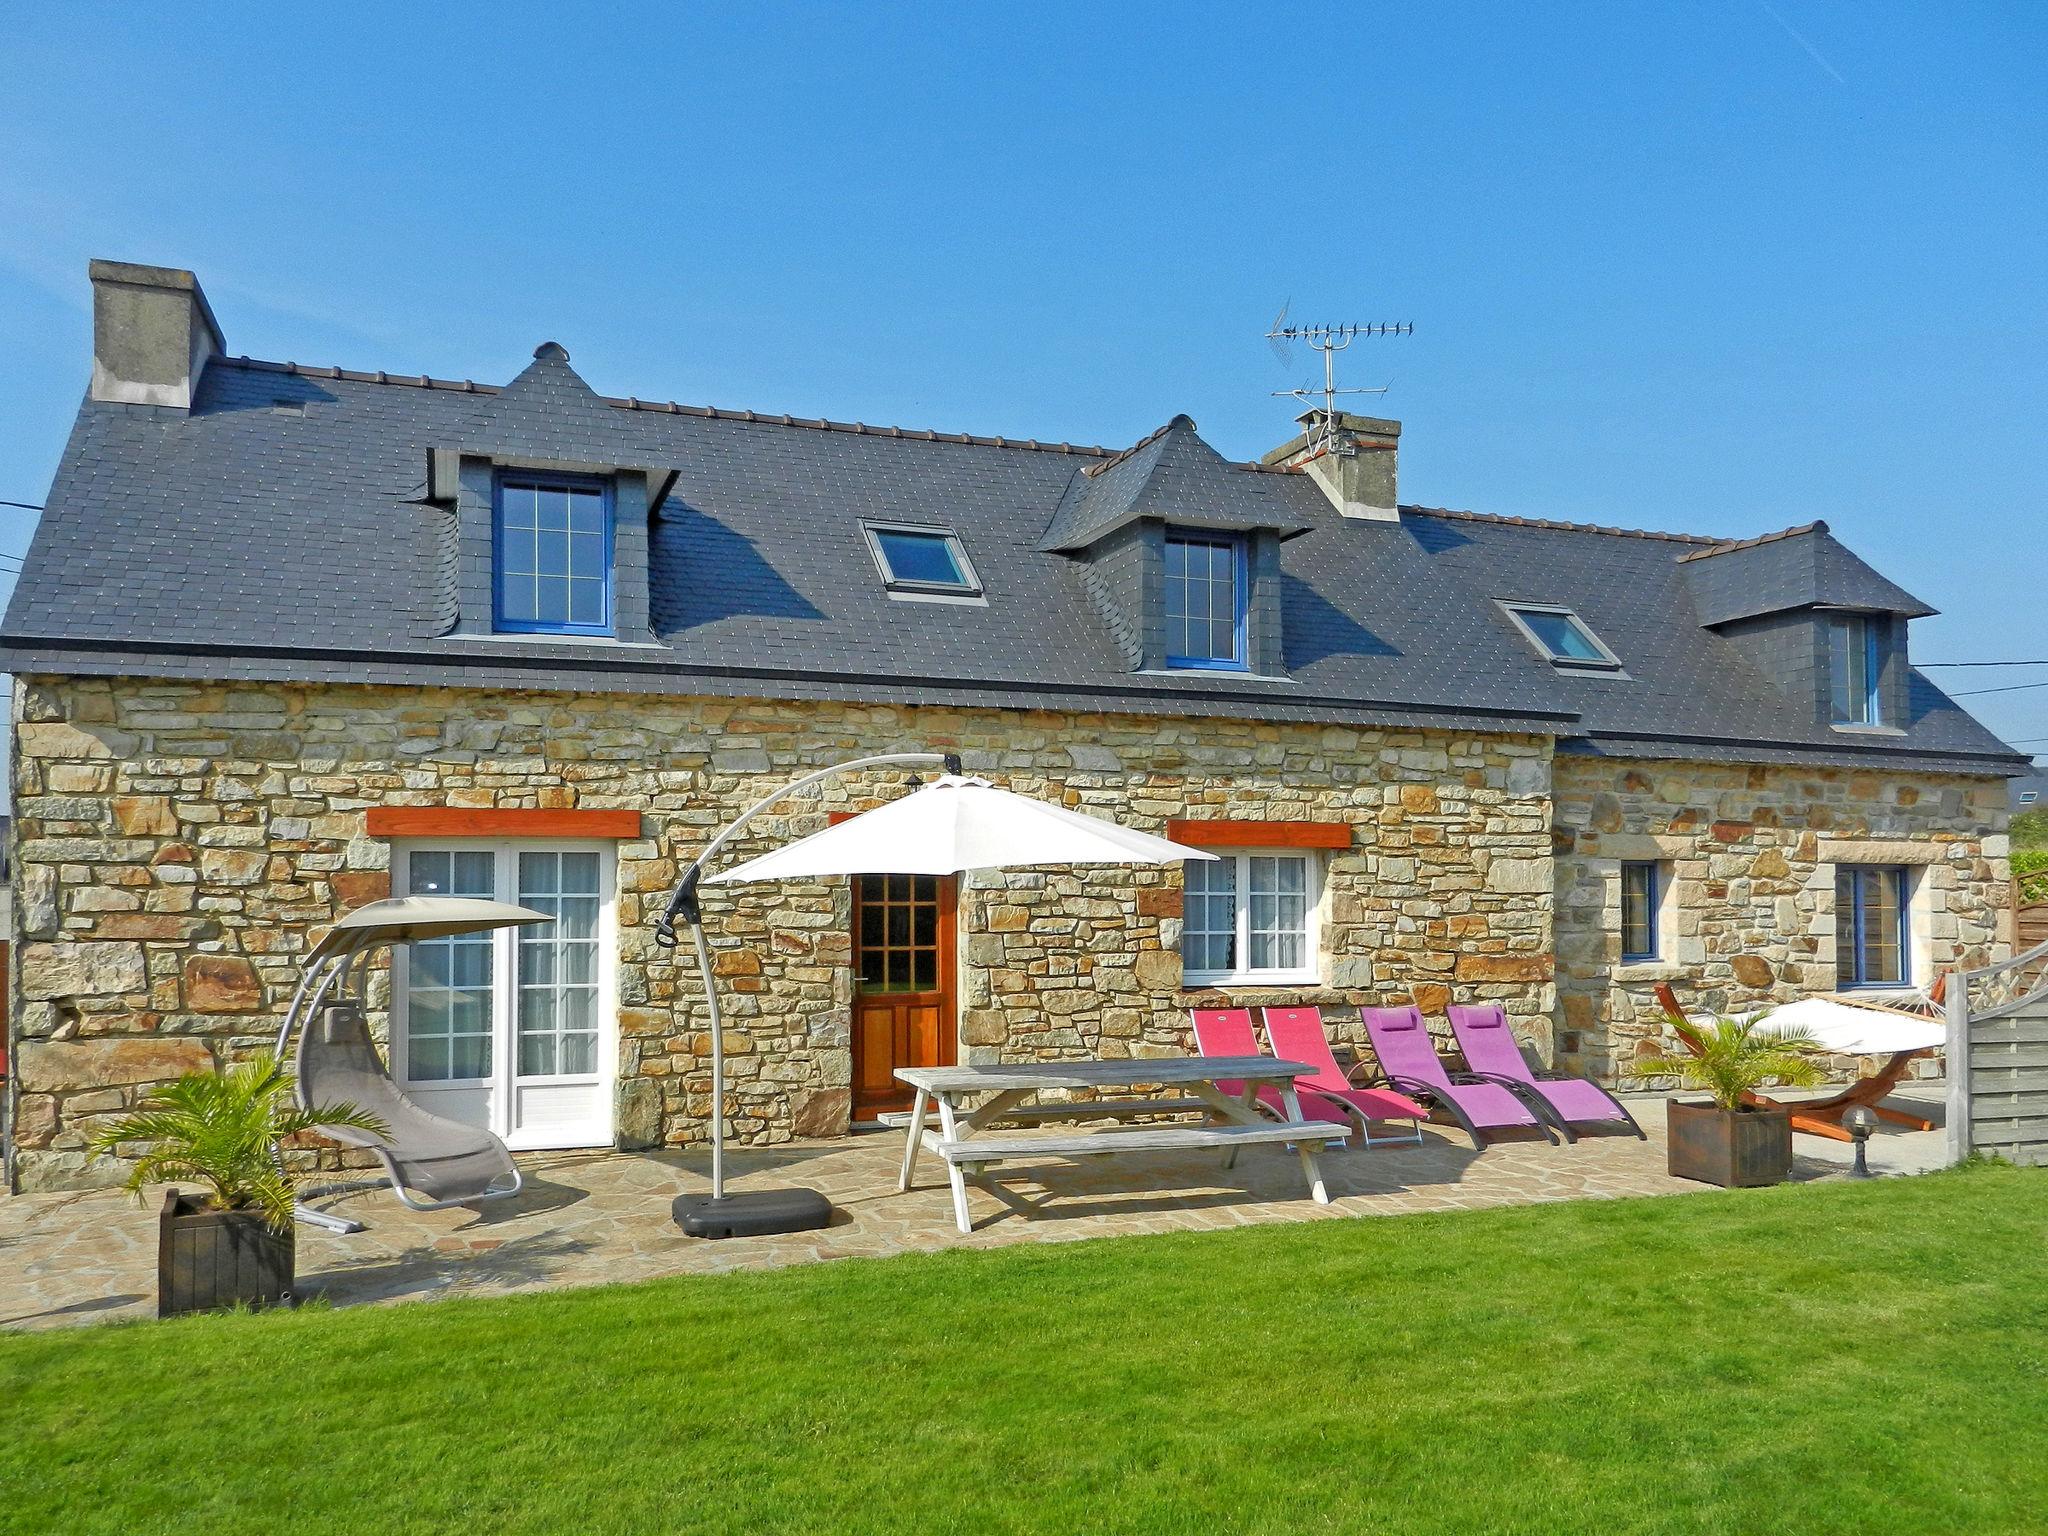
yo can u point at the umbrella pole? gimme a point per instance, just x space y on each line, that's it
717 1059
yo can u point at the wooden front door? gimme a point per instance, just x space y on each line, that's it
903 965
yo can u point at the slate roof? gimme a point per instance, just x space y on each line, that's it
281 531
1801 567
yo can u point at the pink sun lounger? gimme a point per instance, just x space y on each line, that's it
1297 1034
1228 1032
1491 1052
1409 1060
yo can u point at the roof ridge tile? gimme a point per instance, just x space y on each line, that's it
1818 525
1554 526
671 407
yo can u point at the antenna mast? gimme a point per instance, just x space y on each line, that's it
1328 340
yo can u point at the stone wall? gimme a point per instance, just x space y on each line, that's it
177 844
1751 912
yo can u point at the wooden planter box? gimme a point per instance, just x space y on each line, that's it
210 1260
1734 1148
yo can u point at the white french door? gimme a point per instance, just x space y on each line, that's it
514 1030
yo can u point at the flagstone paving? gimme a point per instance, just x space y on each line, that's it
597 1218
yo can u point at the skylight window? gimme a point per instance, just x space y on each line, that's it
917 561
1562 637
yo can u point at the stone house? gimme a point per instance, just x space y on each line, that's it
291 638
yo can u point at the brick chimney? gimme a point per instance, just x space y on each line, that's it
1354 464
152 332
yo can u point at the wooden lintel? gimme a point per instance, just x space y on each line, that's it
1260 834
474 821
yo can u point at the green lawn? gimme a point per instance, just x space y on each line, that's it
1805 1360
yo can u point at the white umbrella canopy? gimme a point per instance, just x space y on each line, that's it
1847 1030
954 824
1851 1031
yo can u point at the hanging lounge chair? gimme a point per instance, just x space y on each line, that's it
429 1161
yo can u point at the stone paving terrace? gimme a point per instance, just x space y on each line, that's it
600 1217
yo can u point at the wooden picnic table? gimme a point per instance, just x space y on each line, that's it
1131 1088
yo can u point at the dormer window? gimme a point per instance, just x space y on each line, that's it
922 562
1205 600
552 555
1562 638
1855 668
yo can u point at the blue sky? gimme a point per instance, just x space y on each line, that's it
1713 265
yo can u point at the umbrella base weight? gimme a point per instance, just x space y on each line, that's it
756 1213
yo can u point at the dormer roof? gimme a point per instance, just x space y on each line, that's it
1803 567
547 416
1174 476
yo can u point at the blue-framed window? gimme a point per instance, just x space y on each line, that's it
1205 599
1855 668
551 555
1641 889
1872 926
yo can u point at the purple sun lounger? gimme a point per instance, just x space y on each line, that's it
1410 1062
1491 1052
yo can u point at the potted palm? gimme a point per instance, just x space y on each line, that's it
231 1243
1732 1138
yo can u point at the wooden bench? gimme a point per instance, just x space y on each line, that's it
1091 1109
975 1151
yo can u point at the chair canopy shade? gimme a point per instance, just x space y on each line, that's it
954 824
403 919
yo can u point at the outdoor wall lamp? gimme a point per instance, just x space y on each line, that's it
1860 1122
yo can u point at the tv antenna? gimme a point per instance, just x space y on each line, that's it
1328 340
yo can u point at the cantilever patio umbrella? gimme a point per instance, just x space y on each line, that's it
951 825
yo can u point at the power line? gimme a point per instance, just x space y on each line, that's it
1972 693
26 506
1981 663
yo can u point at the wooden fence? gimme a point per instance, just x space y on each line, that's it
2029 910
1998 1059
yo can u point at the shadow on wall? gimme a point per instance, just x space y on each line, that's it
684 541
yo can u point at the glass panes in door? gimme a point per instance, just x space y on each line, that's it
898 933
557 964
448 981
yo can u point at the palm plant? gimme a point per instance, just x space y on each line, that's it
222 1130
1731 1058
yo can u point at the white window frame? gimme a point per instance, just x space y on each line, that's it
504 979
967 590
1309 972
1606 661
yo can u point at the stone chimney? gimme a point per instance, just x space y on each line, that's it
152 332
1354 465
